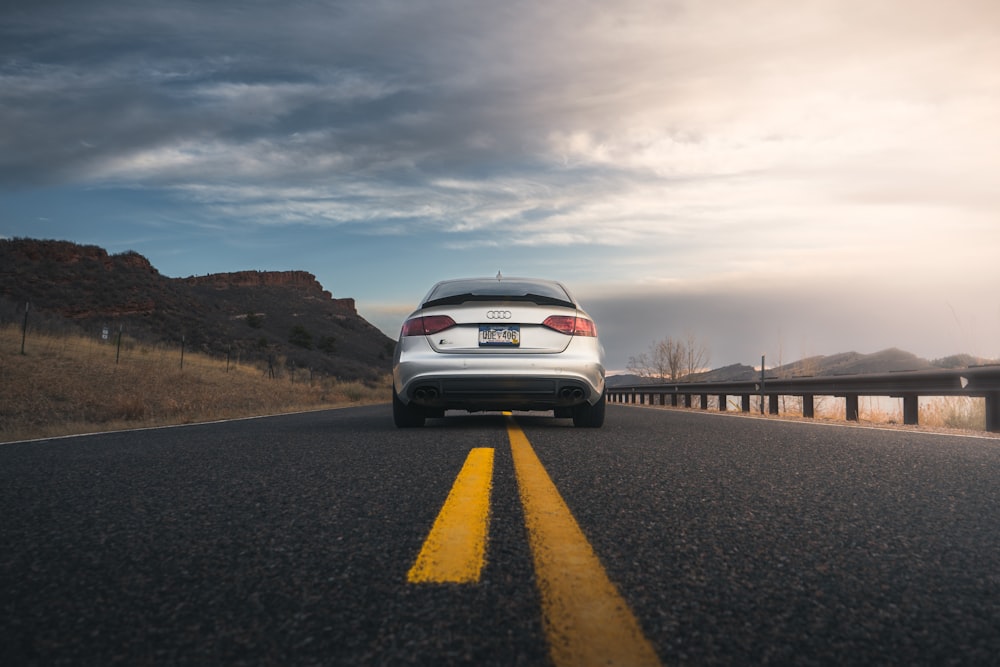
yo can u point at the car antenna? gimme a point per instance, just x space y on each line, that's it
499 276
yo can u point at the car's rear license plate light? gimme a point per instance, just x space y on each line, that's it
508 335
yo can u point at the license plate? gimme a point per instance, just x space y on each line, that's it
499 336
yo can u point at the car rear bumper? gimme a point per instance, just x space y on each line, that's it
503 393
499 381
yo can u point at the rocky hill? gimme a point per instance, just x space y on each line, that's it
847 363
281 316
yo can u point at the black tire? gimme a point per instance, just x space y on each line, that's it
405 416
590 416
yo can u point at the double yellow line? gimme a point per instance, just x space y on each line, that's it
586 620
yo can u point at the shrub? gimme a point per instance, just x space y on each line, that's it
327 344
301 337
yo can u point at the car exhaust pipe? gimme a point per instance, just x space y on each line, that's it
425 393
574 393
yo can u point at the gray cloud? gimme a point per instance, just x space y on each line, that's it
406 92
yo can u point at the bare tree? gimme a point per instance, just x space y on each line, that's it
674 353
695 354
670 359
640 365
660 362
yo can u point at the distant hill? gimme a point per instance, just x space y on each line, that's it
846 363
251 315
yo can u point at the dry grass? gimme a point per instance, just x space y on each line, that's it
71 384
958 412
955 414
938 412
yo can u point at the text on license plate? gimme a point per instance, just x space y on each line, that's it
499 336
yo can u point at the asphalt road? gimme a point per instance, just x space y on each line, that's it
288 540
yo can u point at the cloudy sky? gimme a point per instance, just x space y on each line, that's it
779 178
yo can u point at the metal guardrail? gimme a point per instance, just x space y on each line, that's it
978 381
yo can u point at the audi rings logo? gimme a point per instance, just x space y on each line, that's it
498 314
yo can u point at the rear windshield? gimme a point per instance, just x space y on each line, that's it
490 289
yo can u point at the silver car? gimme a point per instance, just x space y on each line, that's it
498 344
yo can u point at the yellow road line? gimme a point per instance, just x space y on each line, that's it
455 548
586 620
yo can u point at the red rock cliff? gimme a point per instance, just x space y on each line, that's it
297 279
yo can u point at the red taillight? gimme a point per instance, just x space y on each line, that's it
425 326
571 326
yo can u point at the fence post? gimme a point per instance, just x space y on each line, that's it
24 327
762 383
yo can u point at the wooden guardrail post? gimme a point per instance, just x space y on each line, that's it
993 412
911 409
853 413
